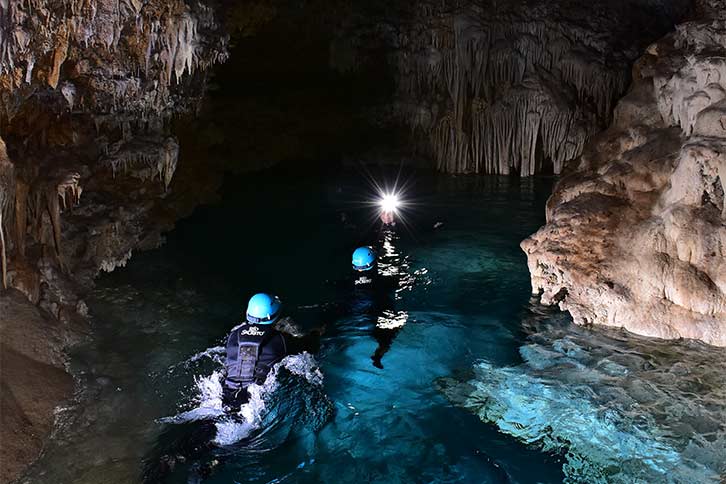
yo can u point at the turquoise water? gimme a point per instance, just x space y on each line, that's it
480 385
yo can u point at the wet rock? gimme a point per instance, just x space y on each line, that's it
636 235
33 380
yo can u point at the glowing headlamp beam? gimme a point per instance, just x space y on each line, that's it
389 203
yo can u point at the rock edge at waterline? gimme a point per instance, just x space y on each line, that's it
636 233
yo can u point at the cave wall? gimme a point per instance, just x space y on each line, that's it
517 87
89 93
88 90
129 60
636 235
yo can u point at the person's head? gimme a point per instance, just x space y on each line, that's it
263 309
388 218
364 258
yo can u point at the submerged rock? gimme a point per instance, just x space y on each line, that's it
636 234
618 408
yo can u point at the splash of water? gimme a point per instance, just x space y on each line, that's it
207 400
263 398
214 354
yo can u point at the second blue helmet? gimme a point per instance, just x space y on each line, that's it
364 258
263 309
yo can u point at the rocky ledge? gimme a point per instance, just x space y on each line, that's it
636 232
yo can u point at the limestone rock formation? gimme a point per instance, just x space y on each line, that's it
32 379
132 59
636 234
518 87
88 90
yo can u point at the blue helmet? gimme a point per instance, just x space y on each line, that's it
364 258
263 309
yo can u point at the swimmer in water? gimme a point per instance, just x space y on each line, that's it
373 295
260 342
253 349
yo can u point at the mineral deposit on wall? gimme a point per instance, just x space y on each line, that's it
518 87
636 237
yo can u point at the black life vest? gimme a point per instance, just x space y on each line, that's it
252 350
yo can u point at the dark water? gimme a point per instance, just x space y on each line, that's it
480 384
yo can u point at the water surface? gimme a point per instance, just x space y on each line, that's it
472 354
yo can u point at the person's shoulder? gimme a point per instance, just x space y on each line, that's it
238 326
235 329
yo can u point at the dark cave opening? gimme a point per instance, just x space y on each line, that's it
280 98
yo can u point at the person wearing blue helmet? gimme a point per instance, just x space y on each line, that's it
364 259
256 345
253 347
371 298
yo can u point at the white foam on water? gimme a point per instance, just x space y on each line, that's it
230 431
208 402
214 354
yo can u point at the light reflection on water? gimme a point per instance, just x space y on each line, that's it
461 301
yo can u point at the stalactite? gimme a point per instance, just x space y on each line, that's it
164 45
69 191
53 207
51 196
154 158
683 96
7 193
21 215
548 84
3 254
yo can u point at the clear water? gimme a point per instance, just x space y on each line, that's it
480 384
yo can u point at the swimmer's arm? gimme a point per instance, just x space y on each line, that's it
296 341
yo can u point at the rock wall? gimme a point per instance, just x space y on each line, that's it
33 380
124 61
518 87
89 91
636 235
